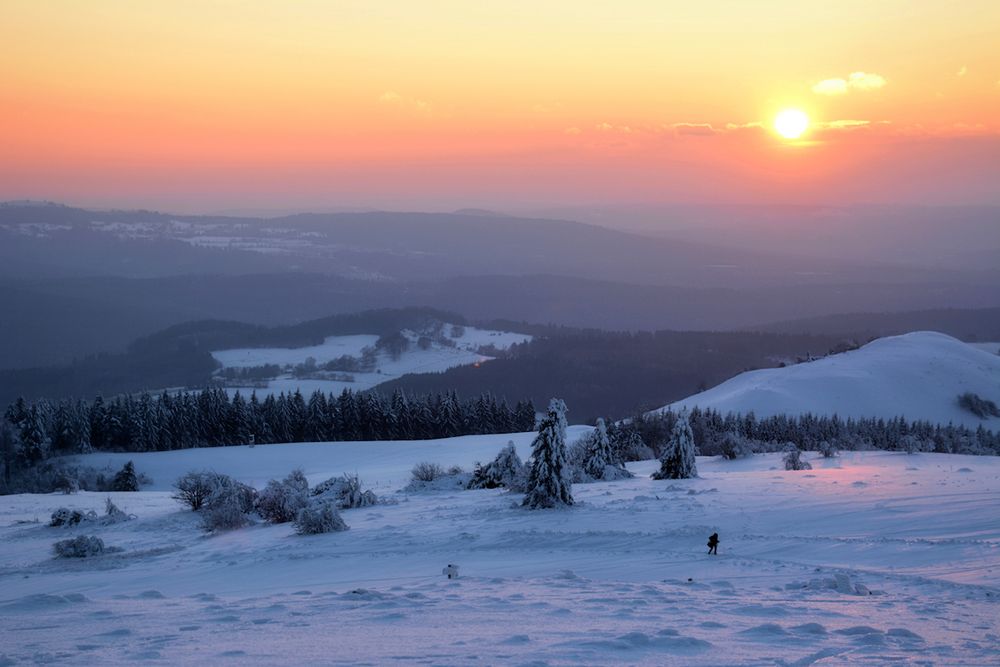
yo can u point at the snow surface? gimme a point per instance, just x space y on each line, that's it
331 348
992 348
437 359
917 375
621 578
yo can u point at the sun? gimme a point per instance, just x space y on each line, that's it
791 123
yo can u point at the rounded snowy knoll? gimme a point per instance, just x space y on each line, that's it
917 375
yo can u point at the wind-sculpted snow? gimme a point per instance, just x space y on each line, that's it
869 558
918 375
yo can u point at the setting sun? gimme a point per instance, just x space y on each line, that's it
791 123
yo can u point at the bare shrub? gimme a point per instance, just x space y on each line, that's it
427 472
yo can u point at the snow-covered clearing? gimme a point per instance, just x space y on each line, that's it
621 578
331 348
437 358
917 375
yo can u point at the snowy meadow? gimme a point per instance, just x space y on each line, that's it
868 558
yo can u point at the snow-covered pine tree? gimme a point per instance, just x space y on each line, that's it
125 479
598 453
506 470
678 460
549 482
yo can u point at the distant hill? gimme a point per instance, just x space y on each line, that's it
42 241
917 375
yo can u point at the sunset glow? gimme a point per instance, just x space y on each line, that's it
213 103
791 123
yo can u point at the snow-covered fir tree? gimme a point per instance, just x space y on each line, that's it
506 470
678 460
549 482
598 452
597 459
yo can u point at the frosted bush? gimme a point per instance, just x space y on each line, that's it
319 517
83 546
345 491
735 446
67 517
112 514
280 502
793 458
427 472
225 511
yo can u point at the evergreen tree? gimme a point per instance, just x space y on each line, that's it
506 470
125 479
598 452
34 441
678 460
549 482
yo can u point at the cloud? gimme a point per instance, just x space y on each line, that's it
608 127
573 130
394 99
695 129
862 81
962 71
847 124
830 87
865 81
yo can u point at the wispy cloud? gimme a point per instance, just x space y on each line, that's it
608 127
394 99
962 71
830 87
866 81
862 81
695 129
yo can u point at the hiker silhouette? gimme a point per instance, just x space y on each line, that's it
713 544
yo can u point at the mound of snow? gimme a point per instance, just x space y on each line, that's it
917 375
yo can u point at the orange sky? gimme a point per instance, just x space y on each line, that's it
208 104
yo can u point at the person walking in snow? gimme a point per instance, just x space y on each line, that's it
713 544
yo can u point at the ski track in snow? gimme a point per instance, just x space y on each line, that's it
622 578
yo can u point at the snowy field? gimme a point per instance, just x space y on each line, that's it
992 348
436 359
917 375
621 578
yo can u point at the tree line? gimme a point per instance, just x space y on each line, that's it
211 418
713 432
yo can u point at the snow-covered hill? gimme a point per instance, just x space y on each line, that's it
621 578
917 375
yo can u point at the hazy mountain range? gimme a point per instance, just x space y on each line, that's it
75 282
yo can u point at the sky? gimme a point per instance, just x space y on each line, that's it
205 105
